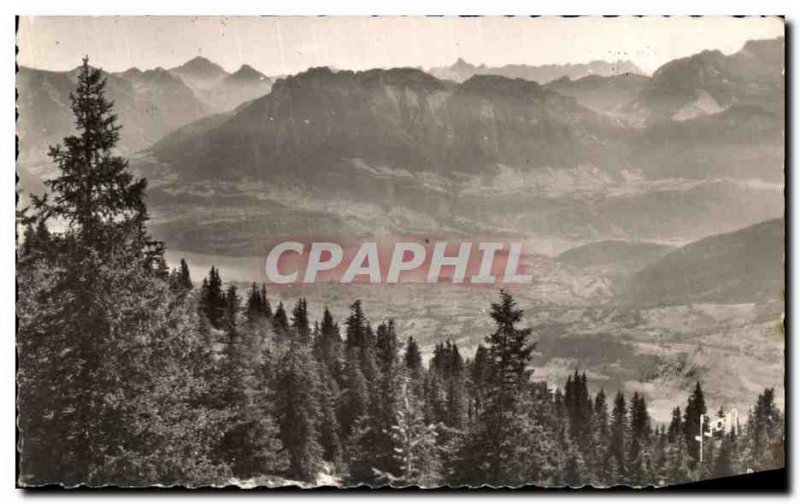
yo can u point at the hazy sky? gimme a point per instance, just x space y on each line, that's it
283 45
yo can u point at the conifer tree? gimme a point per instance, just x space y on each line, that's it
487 458
185 275
354 399
297 390
456 392
329 437
386 345
678 461
723 462
117 343
212 299
416 449
579 409
658 472
356 326
300 322
231 309
280 322
414 367
480 373
766 437
412 358
601 442
637 463
328 345
695 407
619 433
510 351
250 444
387 402
675 428
254 306
266 309
183 280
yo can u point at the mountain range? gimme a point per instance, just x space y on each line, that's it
599 152
491 154
542 74
149 103
219 90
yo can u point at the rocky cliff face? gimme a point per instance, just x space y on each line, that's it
402 119
710 82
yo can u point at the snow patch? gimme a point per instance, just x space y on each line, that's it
705 104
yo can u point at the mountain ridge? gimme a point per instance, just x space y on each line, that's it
735 267
710 81
462 70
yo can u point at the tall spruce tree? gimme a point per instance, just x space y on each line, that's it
231 309
414 367
328 345
117 344
765 433
212 299
638 456
183 281
695 407
254 306
300 322
250 443
675 428
298 391
412 357
619 433
329 432
354 399
601 442
489 456
416 451
356 326
280 322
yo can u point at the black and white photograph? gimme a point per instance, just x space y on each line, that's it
459 252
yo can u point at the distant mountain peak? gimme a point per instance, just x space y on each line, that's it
461 63
132 71
246 72
199 61
200 66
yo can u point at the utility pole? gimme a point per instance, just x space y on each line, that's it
702 435
700 438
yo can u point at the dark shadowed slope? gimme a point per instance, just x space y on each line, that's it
400 119
609 94
739 267
614 252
